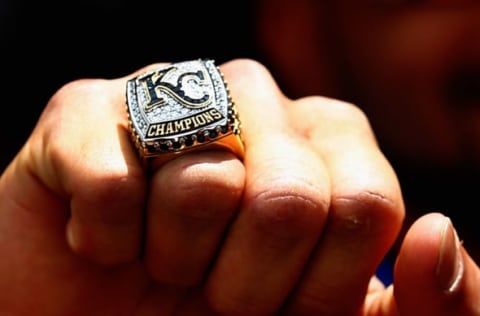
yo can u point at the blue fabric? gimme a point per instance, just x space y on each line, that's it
385 271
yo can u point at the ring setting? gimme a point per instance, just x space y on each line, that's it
182 107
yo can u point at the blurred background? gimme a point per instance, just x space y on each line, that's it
46 44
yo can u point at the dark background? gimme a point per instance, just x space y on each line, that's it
45 45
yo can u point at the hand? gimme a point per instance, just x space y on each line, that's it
299 226
434 275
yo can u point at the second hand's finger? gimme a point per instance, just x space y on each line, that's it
445 281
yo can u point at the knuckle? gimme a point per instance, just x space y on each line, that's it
118 196
211 202
364 213
288 207
71 101
248 65
201 190
247 69
338 118
347 110
337 110
72 90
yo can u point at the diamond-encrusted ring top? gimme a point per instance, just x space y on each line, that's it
181 107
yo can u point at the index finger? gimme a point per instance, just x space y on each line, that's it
80 151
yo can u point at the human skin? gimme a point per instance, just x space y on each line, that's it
413 67
299 226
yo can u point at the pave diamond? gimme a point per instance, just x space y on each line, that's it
182 105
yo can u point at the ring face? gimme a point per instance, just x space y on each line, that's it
180 107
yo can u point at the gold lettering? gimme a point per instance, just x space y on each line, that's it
216 115
156 130
188 123
169 129
159 131
179 125
195 122
200 119
207 116
150 132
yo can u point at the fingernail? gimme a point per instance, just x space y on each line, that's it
449 269
71 239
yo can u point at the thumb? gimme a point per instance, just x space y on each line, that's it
434 275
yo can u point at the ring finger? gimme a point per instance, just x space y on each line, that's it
192 197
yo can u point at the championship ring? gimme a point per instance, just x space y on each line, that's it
182 107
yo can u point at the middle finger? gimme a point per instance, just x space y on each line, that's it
284 206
